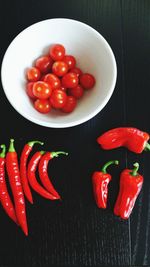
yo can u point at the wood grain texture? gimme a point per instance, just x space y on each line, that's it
75 232
136 39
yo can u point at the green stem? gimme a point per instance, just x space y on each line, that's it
31 143
147 147
56 154
116 162
11 146
42 152
135 169
2 154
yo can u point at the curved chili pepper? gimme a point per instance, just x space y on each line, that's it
131 138
32 166
100 182
130 186
4 195
23 168
43 165
12 167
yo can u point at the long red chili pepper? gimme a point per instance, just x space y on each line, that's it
4 195
12 167
100 181
32 166
130 186
43 165
133 139
23 168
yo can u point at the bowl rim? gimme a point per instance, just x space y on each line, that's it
79 121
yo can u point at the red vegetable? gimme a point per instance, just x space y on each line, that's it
57 52
42 105
77 91
33 74
70 60
29 90
12 167
42 90
100 180
23 168
87 80
53 80
32 166
130 186
131 138
58 99
4 195
60 68
77 71
44 64
70 80
43 165
70 105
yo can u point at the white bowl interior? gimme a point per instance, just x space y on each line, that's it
93 55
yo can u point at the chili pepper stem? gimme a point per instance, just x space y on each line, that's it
147 147
135 169
31 143
2 154
56 154
116 162
11 146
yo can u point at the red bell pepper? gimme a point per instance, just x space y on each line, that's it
130 186
131 138
100 180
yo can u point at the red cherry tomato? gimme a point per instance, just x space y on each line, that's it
58 98
53 80
70 80
77 71
29 90
42 105
64 89
33 74
42 90
77 91
57 52
87 80
70 104
70 61
60 68
44 64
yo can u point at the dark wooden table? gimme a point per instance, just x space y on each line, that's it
75 232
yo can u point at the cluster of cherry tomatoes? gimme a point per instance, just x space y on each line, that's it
56 82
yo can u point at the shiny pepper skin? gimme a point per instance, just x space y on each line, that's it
130 186
132 138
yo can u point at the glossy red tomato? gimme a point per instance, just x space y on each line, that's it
29 90
77 91
87 80
70 61
60 68
63 88
77 71
70 104
42 90
42 105
70 80
44 64
53 80
58 98
57 52
33 74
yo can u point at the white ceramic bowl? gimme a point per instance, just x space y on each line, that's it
93 55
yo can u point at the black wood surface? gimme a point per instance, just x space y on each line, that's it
75 232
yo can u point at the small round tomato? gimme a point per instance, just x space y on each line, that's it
53 80
77 71
33 74
64 89
57 52
58 99
77 91
42 105
70 61
60 68
42 90
87 80
44 64
29 90
70 80
70 104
